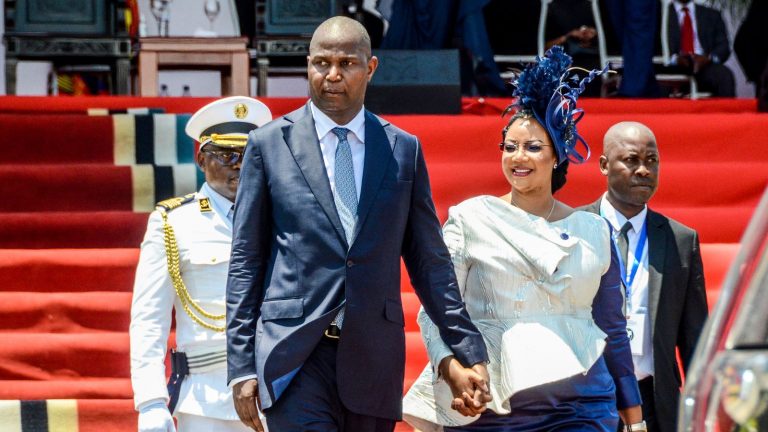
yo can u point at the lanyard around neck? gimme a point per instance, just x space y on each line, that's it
627 279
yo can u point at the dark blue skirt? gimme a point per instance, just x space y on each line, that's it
579 403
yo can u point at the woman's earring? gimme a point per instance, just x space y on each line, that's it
555 167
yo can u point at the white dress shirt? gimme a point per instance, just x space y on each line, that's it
638 302
329 141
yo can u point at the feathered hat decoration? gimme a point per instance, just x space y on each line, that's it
545 90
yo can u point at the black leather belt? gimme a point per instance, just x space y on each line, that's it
332 332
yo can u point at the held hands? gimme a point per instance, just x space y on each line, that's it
699 61
246 396
693 62
156 418
468 385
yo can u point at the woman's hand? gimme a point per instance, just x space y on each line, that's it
469 386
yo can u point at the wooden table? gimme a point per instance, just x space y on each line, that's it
228 54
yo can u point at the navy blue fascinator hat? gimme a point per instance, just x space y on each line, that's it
545 91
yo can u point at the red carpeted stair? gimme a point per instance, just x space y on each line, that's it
67 270
73 214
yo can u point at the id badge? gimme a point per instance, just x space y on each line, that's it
636 332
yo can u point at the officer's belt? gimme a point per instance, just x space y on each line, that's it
191 362
205 360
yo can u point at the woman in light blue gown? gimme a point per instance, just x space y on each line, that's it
541 283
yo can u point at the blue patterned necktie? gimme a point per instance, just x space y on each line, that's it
345 193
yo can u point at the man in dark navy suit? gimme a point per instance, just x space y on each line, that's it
330 198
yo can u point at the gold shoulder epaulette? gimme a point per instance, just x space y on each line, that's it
173 203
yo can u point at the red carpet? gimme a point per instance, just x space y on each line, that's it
81 104
67 270
60 187
72 218
58 139
279 106
99 229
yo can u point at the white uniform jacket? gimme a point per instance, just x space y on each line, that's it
204 236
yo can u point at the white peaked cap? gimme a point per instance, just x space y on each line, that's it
226 122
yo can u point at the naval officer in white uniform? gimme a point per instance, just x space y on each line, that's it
183 267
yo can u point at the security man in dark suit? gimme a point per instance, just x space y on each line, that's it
661 267
330 198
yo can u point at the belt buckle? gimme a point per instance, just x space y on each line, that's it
332 332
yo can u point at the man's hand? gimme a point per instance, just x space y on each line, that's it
685 61
699 62
584 34
247 403
693 63
468 385
156 418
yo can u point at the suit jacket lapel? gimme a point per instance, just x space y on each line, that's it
378 155
301 138
673 30
594 207
703 35
657 240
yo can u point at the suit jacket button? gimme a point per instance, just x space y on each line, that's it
350 263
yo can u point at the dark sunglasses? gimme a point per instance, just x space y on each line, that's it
225 157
